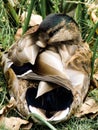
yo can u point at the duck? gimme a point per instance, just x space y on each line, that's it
48 65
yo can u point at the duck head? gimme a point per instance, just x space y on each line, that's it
57 28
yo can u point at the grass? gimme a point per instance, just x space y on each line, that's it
73 124
9 25
3 91
2 127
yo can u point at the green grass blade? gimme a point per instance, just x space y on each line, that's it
26 23
13 13
38 117
23 2
94 56
78 13
56 6
68 6
43 8
92 32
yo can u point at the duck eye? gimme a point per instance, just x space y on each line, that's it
51 34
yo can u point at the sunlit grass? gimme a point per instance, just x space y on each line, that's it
6 31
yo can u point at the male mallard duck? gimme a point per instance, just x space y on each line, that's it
60 69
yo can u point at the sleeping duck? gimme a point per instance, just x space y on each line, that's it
48 71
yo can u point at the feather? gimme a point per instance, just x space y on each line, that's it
44 87
23 51
49 63
50 78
